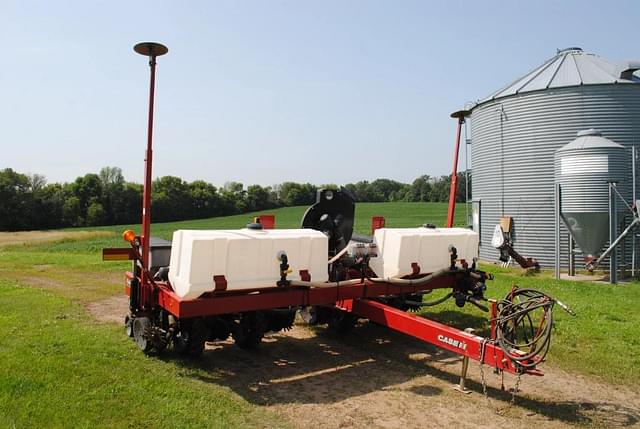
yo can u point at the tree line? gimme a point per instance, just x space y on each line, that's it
28 202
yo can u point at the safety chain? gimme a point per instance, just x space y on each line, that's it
514 390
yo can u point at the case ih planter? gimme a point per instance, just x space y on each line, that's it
209 285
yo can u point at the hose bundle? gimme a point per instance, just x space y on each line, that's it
523 325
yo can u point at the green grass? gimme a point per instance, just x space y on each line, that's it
77 268
60 369
57 369
397 215
602 340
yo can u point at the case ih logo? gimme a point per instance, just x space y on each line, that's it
455 343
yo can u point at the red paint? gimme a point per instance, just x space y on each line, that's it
494 314
377 222
415 269
118 254
305 276
220 283
213 304
148 161
454 177
443 336
352 298
267 221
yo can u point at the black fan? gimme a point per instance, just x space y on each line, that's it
332 214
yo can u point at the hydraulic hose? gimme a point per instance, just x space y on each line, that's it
338 255
324 284
411 282
392 280
522 341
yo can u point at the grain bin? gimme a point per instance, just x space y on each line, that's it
583 169
516 131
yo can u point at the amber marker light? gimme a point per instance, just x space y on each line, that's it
128 236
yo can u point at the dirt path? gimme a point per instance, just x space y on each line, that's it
37 237
376 378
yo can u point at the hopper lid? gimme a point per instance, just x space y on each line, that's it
590 139
589 132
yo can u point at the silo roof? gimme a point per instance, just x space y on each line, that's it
570 67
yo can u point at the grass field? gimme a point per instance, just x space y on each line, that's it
60 370
56 364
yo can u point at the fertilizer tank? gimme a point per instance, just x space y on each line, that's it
583 169
246 258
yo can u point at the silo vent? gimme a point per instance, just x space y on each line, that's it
589 132
566 50
632 67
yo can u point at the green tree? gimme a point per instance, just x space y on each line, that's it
297 194
87 189
37 182
110 176
205 201
112 200
362 191
170 199
234 197
385 189
48 207
95 214
128 206
259 198
72 212
420 189
16 201
441 188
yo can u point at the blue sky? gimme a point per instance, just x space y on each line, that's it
268 91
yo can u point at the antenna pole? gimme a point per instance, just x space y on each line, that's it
460 115
151 50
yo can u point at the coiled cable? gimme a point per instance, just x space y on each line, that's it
524 323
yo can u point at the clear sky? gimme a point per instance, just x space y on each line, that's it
268 91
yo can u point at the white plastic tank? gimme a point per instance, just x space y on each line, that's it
398 248
247 259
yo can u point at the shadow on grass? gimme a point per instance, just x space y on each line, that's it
325 369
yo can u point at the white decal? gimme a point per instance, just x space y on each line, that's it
455 343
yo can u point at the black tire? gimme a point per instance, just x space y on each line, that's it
128 326
190 340
160 345
341 322
141 327
249 331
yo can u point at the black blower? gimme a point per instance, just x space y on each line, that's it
332 214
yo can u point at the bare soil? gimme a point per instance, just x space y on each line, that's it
372 377
36 237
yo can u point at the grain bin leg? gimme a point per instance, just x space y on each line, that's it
613 221
558 202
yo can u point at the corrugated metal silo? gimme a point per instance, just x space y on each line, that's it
516 131
583 169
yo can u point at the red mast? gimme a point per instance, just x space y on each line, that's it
151 50
460 115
